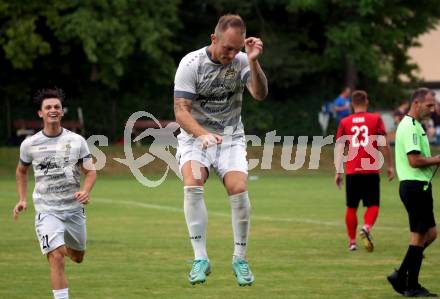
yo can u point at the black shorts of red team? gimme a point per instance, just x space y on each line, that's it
418 202
365 187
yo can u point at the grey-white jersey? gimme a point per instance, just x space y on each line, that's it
56 163
216 90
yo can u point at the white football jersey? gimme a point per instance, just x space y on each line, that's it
56 162
215 89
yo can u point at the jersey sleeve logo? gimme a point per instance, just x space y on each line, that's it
415 138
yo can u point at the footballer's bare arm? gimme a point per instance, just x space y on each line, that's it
182 112
21 183
88 168
257 83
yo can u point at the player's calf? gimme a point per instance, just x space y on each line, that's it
75 255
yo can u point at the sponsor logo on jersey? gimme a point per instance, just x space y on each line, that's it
230 74
47 164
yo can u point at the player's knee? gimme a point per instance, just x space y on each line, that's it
56 257
237 188
194 174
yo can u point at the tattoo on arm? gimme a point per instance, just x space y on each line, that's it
181 104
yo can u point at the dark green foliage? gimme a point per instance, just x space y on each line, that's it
114 57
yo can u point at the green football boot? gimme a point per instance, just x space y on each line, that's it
242 272
199 270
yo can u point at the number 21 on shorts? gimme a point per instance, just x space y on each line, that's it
45 241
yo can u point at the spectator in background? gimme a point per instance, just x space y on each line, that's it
400 111
341 105
428 125
436 120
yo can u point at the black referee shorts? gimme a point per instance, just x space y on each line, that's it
419 205
365 187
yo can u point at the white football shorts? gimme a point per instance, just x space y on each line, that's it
228 156
55 229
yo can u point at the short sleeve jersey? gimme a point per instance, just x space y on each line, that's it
216 90
56 163
360 131
411 138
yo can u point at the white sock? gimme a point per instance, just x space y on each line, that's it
61 294
196 217
241 210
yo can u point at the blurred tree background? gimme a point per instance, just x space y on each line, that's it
115 57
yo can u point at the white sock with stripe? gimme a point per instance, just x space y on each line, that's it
196 217
241 210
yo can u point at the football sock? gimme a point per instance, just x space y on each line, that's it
370 216
412 255
351 223
241 209
403 269
196 217
414 265
61 294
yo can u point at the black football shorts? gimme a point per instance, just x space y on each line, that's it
417 199
365 187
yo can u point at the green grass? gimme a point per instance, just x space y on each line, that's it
138 245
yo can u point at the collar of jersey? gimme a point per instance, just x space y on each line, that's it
62 130
210 57
413 119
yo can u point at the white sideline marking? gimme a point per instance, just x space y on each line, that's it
227 215
219 214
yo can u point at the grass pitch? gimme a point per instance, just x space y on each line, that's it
138 245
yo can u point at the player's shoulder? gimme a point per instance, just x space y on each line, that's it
406 125
242 56
407 121
192 58
29 141
347 120
373 116
72 135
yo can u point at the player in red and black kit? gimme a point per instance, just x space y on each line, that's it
362 135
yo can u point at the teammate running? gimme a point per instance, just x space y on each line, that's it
57 156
